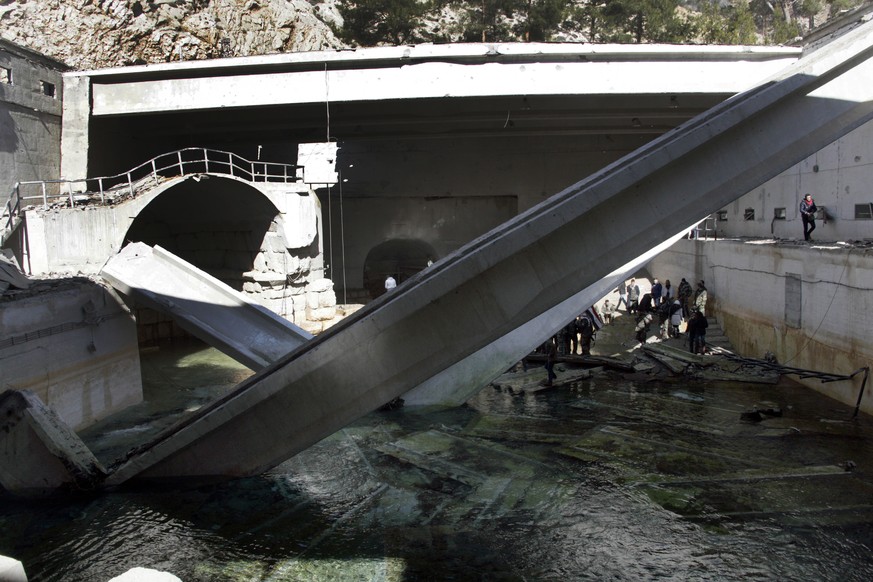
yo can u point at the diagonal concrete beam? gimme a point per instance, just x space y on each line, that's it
207 308
522 269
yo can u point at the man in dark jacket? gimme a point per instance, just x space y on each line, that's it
807 214
685 293
697 332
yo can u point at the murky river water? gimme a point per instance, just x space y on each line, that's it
614 479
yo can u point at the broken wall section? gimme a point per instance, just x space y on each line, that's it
72 342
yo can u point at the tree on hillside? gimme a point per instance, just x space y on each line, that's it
542 18
489 20
626 21
374 22
732 23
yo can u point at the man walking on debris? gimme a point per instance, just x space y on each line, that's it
700 297
697 332
551 356
586 332
685 292
657 290
633 295
675 315
622 296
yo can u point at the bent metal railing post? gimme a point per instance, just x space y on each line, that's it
237 167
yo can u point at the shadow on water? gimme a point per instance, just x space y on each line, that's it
612 479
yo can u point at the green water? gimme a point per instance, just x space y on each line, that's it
610 480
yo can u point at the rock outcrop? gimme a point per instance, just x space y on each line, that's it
89 34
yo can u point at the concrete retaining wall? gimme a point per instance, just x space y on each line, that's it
811 307
72 343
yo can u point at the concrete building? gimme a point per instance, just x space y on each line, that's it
31 98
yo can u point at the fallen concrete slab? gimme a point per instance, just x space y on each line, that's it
207 308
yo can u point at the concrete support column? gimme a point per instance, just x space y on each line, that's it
74 137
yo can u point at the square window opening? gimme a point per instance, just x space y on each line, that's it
721 215
779 214
5 76
749 214
864 211
47 89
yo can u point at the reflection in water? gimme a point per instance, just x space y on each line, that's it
610 480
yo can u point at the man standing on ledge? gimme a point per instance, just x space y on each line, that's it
807 214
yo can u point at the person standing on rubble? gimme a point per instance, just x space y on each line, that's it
586 333
657 290
551 350
700 297
675 321
697 332
622 296
633 295
685 293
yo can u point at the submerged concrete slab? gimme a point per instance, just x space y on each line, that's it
222 317
520 270
39 453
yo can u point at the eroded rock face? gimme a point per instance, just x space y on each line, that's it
89 34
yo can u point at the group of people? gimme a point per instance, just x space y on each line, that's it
670 306
574 338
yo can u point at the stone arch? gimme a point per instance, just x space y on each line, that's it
217 224
400 258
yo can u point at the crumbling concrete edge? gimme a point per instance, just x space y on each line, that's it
39 453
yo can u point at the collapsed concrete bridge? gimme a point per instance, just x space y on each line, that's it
519 275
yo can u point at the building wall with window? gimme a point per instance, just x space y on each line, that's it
30 116
840 179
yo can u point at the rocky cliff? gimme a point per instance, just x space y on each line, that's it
89 34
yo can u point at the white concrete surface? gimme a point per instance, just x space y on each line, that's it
11 570
139 574
434 79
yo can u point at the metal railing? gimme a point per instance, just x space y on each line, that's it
705 229
111 189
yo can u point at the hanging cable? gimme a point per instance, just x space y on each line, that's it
342 237
329 273
327 104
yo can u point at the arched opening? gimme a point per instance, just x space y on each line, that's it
399 258
217 224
